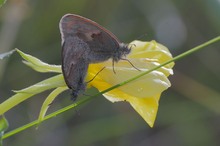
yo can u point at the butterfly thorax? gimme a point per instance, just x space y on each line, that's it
121 52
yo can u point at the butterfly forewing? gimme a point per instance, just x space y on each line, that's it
100 41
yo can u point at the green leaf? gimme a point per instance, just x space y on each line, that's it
24 94
37 64
2 2
3 127
53 82
48 101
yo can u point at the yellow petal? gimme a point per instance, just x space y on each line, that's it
146 107
151 50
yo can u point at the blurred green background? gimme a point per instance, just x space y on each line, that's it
189 111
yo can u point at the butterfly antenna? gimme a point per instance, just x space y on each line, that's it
141 36
130 63
95 75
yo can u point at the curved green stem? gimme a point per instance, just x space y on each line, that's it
187 53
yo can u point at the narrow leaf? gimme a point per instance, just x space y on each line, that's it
3 127
48 101
37 64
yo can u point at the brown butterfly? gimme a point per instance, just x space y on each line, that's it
84 42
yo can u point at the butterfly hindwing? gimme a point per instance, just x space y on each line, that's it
74 65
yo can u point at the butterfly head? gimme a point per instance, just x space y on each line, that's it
121 52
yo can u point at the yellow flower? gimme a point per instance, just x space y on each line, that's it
144 93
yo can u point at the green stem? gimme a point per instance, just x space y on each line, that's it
187 53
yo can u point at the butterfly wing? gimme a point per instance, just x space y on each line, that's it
74 66
102 44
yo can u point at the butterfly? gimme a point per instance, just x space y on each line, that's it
85 42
